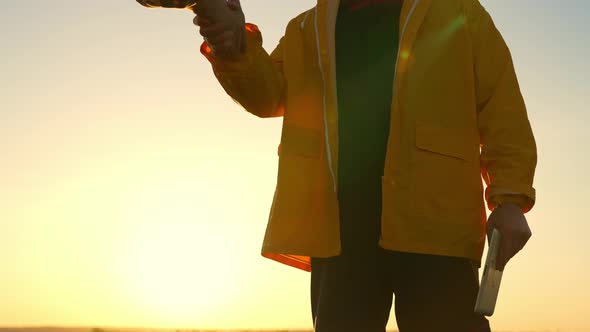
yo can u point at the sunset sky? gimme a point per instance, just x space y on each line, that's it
134 192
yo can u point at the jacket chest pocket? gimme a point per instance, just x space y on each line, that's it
445 173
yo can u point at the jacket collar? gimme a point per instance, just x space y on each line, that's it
412 16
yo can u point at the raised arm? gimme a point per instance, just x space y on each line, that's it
252 77
254 80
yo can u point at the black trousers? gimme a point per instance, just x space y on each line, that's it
354 291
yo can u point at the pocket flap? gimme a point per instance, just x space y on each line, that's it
446 141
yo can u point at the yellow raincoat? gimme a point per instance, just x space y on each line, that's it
457 114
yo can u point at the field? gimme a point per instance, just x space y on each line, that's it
96 329
113 329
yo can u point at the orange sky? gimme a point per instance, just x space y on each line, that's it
134 192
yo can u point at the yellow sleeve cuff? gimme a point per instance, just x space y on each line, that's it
521 200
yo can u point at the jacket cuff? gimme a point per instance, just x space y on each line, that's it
243 61
524 196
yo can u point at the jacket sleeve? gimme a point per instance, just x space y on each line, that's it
255 80
508 148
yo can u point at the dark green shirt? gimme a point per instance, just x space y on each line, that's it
366 50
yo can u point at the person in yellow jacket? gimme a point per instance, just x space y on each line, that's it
393 111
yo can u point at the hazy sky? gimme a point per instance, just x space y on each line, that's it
134 192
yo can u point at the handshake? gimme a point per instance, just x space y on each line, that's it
221 23
225 34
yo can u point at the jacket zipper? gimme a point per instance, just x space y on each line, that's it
321 67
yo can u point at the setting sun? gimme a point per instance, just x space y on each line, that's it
169 266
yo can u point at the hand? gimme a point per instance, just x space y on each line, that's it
509 219
226 38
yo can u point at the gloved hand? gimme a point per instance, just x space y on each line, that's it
226 39
509 219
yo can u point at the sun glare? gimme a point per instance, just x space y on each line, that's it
167 258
